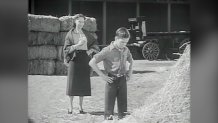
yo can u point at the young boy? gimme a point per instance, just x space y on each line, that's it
114 58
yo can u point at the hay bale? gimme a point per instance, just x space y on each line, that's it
43 23
60 53
90 24
41 67
66 23
59 38
171 104
60 68
32 38
42 52
46 38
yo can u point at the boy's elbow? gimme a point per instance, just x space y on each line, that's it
91 62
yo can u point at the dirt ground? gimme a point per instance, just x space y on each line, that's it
48 103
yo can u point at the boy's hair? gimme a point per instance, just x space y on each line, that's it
122 33
79 15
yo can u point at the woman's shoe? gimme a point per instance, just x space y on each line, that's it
69 112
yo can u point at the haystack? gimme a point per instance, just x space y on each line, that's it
59 38
90 24
60 53
46 38
66 23
42 52
43 23
42 67
32 38
171 104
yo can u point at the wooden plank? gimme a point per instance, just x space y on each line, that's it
70 7
137 9
104 22
169 17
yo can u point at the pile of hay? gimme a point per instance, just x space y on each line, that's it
59 38
41 67
43 23
42 52
171 104
90 24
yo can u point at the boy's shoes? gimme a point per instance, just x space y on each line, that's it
110 117
81 112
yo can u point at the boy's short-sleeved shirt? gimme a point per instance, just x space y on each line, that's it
114 60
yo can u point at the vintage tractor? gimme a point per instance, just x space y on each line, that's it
153 45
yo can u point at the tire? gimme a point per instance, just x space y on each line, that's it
183 45
150 51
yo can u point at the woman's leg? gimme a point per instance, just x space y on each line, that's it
81 103
71 104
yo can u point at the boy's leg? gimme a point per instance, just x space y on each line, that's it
110 96
122 98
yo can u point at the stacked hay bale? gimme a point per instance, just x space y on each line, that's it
171 104
46 40
42 51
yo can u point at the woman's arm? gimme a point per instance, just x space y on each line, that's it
82 41
67 44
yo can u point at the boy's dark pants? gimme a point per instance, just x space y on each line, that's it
117 89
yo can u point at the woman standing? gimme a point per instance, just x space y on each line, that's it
79 44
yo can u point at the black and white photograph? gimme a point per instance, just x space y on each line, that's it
109 61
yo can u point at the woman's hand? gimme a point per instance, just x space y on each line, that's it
73 47
89 52
82 40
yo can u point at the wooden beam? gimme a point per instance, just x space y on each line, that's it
70 7
32 9
137 9
104 22
166 1
169 17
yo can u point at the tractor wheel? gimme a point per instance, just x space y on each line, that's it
150 51
183 45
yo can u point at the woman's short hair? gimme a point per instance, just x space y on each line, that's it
122 33
76 16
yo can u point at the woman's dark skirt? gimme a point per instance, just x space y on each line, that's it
78 81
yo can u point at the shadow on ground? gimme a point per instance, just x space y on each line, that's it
144 71
102 113
96 113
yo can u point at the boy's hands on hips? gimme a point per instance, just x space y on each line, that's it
107 79
128 76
